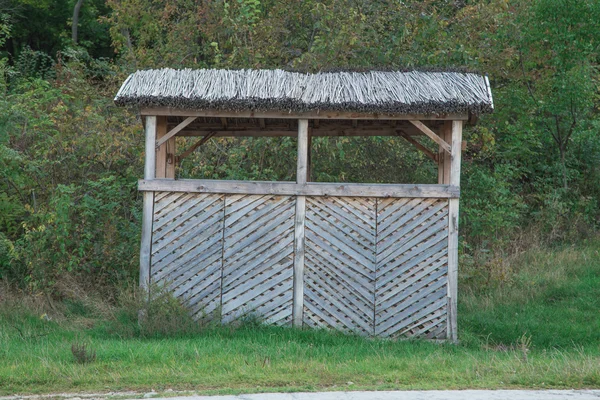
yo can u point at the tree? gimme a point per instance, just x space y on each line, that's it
75 21
558 51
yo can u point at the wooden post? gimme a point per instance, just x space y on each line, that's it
301 177
165 153
149 174
309 157
454 179
443 157
171 162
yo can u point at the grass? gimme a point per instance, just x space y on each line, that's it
538 329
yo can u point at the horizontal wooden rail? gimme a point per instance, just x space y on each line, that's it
307 189
297 115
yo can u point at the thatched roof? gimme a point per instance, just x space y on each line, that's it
414 92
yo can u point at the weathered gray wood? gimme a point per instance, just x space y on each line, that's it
420 147
146 244
148 206
199 143
309 189
489 90
150 156
299 222
340 256
302 166
297 115
432 135
258 257
453 231
161 153
174 131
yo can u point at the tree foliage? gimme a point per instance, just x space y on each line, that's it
69 159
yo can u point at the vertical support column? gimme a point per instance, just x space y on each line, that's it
162 153
454 180
149 173
444 159
171 153
309 157
301 177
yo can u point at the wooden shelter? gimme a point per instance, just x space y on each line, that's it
375 259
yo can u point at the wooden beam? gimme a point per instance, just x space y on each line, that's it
299 246
292 133
452 332
150 157
302 166
309 156
261 122
196 145
301 178
301 115
423 128
444 158
293 188
224 123
174 131
148 207
419 146
171 158
161 152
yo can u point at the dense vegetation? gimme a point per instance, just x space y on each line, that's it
70 159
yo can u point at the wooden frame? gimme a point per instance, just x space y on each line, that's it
300 189
160 162
300 115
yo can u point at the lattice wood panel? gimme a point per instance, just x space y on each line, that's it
258 257
412 256
340 263
187 243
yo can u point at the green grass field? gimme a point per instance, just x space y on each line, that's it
539 329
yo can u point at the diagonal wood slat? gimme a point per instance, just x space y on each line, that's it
340 260
258 258
372 266
187 243
412 268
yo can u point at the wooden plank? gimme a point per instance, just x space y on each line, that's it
340 264
174 131
150 156
292 188
299 224
432 135
350 132
171 158
489 90
302 166
258 258
146 242
296 115
196 145
453 215
161 152
420 147
447 132
148 206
